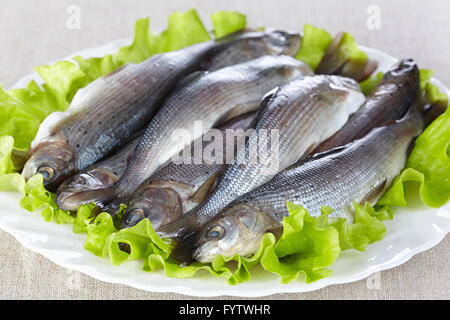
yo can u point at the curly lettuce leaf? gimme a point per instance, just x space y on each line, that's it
9 179
428 164
367 227
371 82
306 247
38 198
344 57
6 148
226 22
314 45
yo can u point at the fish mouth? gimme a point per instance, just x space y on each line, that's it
289 41
67 194
53 160
160 205
404 66
67 201
72 201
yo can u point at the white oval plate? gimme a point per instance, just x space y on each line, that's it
413 230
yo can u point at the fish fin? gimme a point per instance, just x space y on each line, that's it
433 110
375 193
204 189
332 95
189 78
368 70
263 105
331 60
185 235
113 207
184 251
319 155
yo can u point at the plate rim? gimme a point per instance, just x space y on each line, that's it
111 47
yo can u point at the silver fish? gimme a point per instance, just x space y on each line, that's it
360 171
389 100
104 114
100 175
300 114
179 187
209 99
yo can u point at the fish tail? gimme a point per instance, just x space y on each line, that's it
184 250
185 235
113 206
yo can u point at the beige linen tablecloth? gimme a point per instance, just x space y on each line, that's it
37 32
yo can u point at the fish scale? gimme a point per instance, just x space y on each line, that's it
189 181
380 155
212 98
232 90
104 114
359 171
389 100
298 110
293 145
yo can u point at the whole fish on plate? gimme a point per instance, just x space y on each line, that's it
178 187
291 122
105 113
207 100
389 100
360 171
101 174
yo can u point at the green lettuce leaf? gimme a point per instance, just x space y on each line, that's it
429 165
226 22
429 162
306 247
314 45
37 198
6 148
9 179
344 57
371 82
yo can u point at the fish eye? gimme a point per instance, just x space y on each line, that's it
47 172
280 37
215 232
134 216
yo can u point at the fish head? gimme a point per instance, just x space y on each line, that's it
95 178
270 42
404 73
54 160
159 205
239 229
280 42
